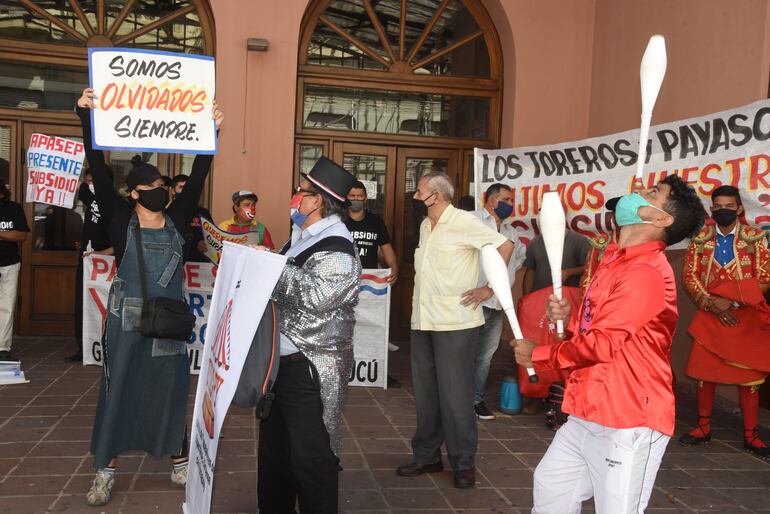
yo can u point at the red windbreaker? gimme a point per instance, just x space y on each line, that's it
618 355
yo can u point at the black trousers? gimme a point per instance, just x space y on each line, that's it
295 461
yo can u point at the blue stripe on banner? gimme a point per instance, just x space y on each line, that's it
370 289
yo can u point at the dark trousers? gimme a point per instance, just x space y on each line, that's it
79 305
295 458
443 379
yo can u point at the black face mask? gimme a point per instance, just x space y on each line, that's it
724 217
420 209
154 200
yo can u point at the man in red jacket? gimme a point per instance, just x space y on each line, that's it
619 392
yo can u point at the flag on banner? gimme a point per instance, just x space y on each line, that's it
54 166
370 335
245 281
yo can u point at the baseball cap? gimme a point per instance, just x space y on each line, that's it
243 193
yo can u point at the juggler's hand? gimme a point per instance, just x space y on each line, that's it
522 350
558 310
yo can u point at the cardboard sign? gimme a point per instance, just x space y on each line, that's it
215 236
148 100
54 165
370 334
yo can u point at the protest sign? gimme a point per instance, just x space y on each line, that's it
98 272
214 236
245 280
54 165
729 147
149 100
370 335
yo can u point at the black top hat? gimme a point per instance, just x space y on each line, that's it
331 179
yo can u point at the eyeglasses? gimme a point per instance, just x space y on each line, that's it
307 192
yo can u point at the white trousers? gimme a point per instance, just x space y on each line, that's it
615 466
9 284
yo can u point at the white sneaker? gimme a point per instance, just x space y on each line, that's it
393 348
101 489
179 477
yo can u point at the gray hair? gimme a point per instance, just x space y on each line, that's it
440 182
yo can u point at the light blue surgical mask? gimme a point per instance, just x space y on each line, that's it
298 218
626 211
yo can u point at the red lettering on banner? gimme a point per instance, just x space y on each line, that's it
705 179
98 302
191 272
101 266
685 175
735 170
755 177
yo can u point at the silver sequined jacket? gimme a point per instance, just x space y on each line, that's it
317 304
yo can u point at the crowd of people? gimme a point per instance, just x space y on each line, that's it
607 383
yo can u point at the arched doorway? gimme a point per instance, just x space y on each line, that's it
391 89
43 68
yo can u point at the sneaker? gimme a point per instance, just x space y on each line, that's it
393 348
5 355
393 383
482 412
179 475
101 489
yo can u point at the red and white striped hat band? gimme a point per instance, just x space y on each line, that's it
319 184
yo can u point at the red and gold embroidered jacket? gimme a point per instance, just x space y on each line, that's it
599 244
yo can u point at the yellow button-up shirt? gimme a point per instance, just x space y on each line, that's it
446 264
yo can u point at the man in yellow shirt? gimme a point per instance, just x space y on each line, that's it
446 320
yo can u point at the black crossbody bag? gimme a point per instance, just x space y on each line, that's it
162 318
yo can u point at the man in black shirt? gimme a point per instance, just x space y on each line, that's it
94 239
194 245
370 233
13 230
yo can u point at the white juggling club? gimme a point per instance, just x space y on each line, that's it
497 276
651 74
552 225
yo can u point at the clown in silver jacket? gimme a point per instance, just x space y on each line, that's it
317 294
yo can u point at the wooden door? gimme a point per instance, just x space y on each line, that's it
49 257
412 164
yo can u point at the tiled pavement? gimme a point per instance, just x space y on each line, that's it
45 429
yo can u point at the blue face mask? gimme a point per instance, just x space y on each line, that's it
626 211
503 210
298 218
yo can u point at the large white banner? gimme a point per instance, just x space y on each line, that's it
149 100
729 147
370 336
98 272
245 281
54 165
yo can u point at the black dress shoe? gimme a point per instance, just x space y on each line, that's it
415 470
465 478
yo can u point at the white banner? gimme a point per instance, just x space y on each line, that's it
54 165
245 281
214 236
729 147
98 272
370 336
149 100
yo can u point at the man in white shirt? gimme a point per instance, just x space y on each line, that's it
498 207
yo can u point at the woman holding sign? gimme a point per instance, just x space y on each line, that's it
143 394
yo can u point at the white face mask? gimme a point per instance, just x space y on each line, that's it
91 188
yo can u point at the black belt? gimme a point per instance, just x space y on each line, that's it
294 357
